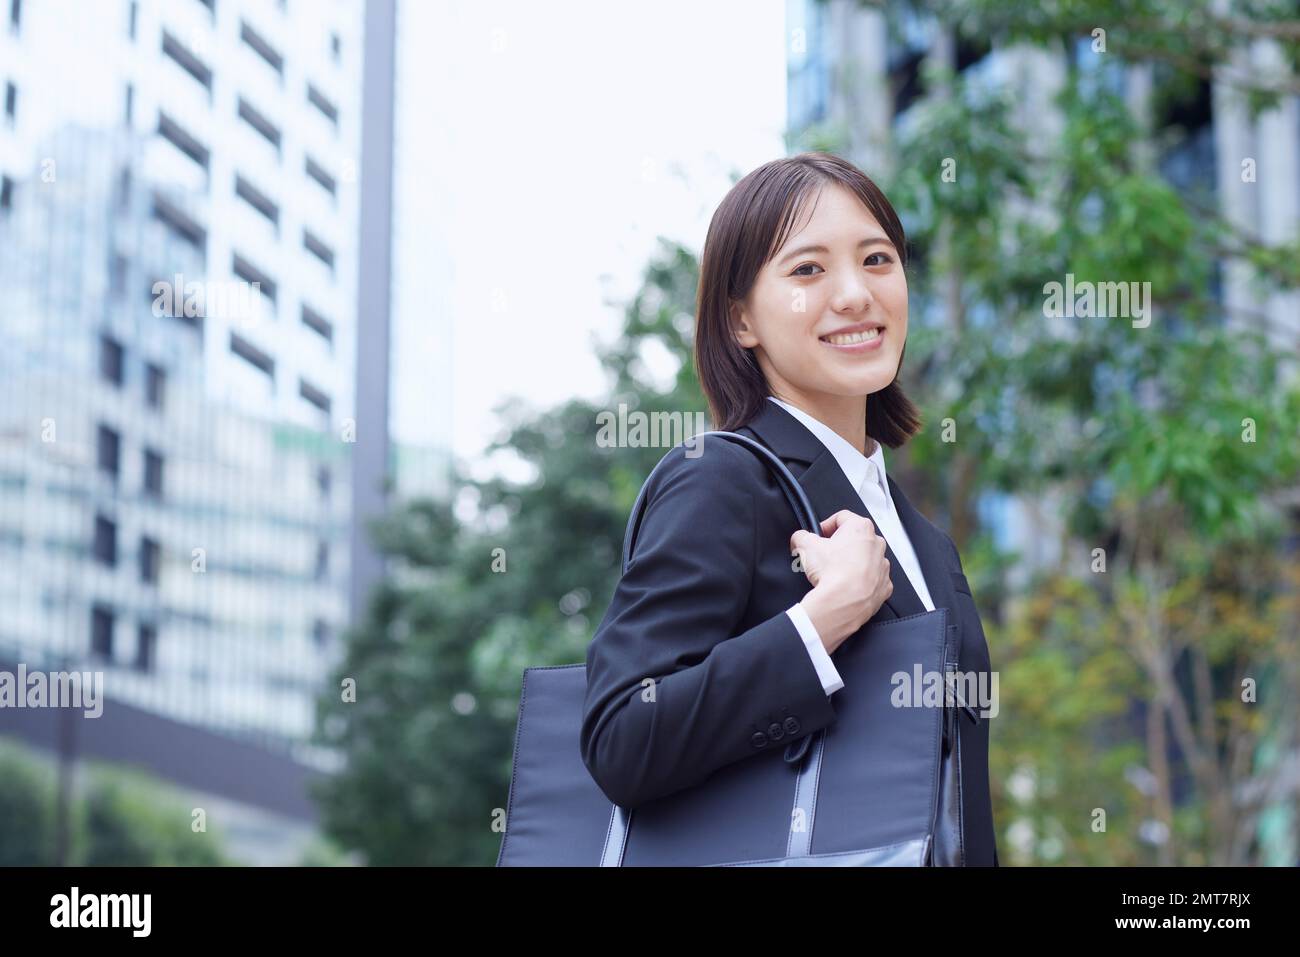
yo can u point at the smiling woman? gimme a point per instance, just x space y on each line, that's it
801 327
824 301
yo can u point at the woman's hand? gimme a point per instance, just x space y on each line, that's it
849 574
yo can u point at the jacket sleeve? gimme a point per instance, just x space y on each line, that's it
673 691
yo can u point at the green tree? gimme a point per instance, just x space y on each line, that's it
118 817
1172 445
438 658
27 797
130 822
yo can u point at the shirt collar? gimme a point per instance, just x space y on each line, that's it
852 462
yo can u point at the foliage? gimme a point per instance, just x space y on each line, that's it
117 818
1171 444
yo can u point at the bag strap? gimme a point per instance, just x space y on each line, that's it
804 810
804 512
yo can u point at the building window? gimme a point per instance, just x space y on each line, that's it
1191 109
117 276
252 355
187 61
129 112
323 481
132 16
153 473
105 544
246 271
184 226
971 50
314 245
258 121
322 561
110 360
262 48
155 384
6 193
258 200
124 188
336 47
317 323
108 450
172 131
11 103
15 14
320 633
146 644
318 173
166 300
314 395
150 555
319 100
101 632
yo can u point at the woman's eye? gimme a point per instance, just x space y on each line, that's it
884 260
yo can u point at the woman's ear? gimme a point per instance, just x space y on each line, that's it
740 327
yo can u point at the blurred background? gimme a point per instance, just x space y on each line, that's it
309 308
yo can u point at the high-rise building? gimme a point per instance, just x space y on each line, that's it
404 427
179 220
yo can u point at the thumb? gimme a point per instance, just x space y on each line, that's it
801 539
830 525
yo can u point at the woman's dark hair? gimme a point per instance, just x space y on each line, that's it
751 224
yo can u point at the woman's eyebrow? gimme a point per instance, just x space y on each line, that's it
869 241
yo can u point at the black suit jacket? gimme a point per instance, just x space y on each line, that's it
700 612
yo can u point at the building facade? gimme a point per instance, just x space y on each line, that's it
177 424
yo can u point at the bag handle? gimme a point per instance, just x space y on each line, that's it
804 512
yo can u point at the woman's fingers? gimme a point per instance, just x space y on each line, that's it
829 526
806 545
844 517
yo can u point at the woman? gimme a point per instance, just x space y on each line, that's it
800 331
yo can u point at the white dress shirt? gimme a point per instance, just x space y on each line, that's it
867 475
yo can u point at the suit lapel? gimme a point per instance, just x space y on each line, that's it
829 490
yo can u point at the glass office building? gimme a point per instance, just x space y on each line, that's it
179 234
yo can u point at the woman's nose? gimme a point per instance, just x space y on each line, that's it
853 294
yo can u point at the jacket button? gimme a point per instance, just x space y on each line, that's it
758 739
775 732
791 726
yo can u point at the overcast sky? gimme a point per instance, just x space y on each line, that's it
557 141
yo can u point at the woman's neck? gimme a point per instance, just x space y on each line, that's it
844 415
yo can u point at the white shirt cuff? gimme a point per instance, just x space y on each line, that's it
821 659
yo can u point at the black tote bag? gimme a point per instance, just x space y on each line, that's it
878 787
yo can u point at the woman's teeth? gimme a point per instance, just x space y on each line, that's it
850 338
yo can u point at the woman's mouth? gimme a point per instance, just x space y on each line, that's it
866 341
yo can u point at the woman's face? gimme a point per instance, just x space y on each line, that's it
805 300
